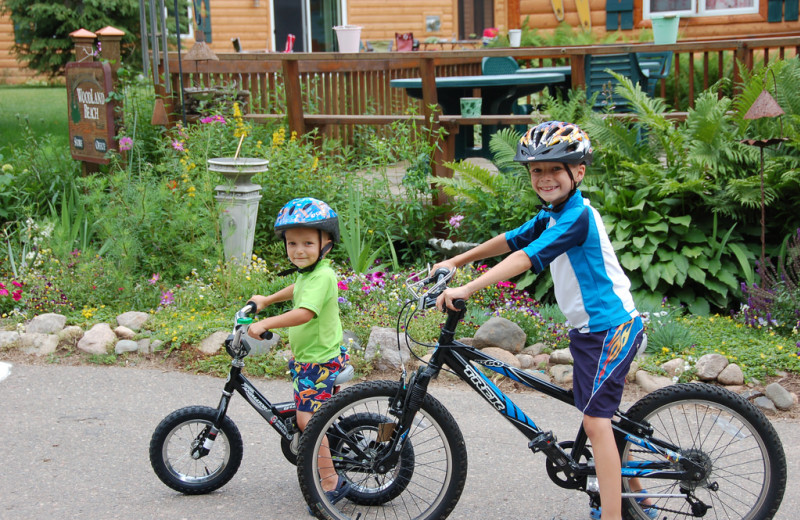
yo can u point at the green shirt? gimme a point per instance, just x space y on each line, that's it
318 340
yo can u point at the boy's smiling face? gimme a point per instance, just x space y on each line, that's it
303 245
551 181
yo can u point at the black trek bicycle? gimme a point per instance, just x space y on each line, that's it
698 450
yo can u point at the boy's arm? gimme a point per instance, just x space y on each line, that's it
514 264
291 318
283 295
492 247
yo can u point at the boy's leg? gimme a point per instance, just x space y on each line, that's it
327 473
607 465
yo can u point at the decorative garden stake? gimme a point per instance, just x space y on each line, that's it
238 200
765 106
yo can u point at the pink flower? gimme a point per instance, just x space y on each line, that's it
455 221
167 298
3 290
16 284
177 145
125 143
17 295
213 119
342 286
155 278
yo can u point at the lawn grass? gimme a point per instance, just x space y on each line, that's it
42 109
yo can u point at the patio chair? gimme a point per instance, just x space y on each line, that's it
498 65
237 45
379 45
406 42
664 59
598 80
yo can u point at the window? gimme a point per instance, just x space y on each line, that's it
691 8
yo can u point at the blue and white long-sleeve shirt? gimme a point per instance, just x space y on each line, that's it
591 289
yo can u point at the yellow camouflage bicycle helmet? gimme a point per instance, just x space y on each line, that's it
554 141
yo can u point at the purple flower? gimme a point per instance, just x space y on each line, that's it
455 221
125 143
177 145
167 298
153 279
213 119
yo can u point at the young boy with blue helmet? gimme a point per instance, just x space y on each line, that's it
591 289
310 228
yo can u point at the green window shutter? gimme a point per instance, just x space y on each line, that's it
790 11
619 15
774 10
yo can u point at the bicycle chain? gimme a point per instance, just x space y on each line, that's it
659 508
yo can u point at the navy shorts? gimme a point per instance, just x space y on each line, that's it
313 382
602 360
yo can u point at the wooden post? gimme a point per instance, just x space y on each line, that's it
84 44
109 39
577 63
294 98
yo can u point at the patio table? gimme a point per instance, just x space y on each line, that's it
498 94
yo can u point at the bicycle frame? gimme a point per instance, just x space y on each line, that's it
461 359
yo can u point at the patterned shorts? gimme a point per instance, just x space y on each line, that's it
602 360
313 382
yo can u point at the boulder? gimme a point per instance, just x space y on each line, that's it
8 338
538 374
126 345
123 332
731 375
350 340
38 344
132 319
69 336
709 366
213 343
631 376
562 374
765 404
561 357
49 323
535 349
97 339
382 349
674 367
500 333
780 396
541 360
503 355
145 346
525 360
651 382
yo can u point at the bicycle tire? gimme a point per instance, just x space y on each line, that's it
172 443
440 458
728 435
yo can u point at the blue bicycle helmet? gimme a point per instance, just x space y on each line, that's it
310 213
554 141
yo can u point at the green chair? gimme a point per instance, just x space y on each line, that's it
664 59
499 65
598 80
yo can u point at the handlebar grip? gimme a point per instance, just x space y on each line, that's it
252 305
459 304
267 335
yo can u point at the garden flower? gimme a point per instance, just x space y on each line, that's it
177 145
7 168
213 119
455 221
3 290
125 143
342 286
167 298
17 295
153 279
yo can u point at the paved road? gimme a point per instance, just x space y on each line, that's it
75 441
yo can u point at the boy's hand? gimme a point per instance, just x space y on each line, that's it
257 329
446 264
260 301
448 295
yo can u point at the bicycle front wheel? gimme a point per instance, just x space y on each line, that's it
729 437
427 479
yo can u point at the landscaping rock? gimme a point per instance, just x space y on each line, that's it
765 404
350 340
631 376
69 336
525 360
535 349
674 367
780 396
561 357
132 319
500 333
49 323
38 344
382 349
709 366
155 346
144 346
124 332
126 345
97 339
562 374
467 341
503 355
541 360
731 375
8 338
751 394
650 382
261 347
538 374
213 343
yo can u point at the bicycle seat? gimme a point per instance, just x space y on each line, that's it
345 375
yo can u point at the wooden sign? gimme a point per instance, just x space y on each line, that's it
91 119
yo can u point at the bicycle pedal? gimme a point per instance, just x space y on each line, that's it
542 442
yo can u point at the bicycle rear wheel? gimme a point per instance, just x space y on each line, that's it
735 443
425 483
